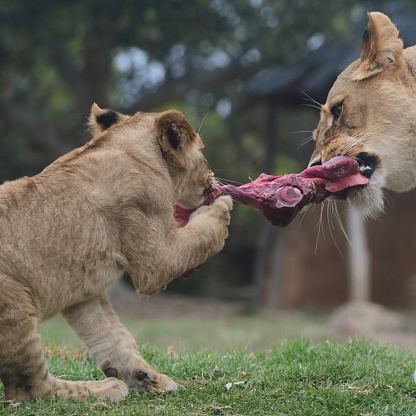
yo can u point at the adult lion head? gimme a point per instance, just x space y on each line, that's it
370 114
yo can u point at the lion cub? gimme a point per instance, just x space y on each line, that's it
72 230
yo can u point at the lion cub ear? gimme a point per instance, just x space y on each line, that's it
174 131
381 47
102 119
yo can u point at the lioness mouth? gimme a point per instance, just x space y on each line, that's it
367 164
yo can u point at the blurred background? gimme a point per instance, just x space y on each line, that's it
250 76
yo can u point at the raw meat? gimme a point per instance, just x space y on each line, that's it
280 198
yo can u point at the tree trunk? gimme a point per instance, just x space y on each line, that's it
266 274
358 257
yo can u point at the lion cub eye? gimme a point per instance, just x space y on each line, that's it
336 111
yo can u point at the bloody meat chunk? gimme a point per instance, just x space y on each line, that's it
280 198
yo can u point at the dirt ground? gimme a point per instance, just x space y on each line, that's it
350 320
164 305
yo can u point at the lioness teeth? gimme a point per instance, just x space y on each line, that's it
367 170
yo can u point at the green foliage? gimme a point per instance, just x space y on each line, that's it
295 378
188 331
58 57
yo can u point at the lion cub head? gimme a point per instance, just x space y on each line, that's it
370 114
160 142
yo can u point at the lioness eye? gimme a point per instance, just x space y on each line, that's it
336 111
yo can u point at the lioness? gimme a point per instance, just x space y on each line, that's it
67 233
370 114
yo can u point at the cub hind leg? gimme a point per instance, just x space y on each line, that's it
23 369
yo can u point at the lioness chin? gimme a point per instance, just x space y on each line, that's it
370 114
72 230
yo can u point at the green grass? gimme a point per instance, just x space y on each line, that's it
295 378
252 332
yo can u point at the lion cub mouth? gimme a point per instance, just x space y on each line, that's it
182 214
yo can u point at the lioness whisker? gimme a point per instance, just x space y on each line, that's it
202 121
302 131
312 106
390 123
339 222
330 217
389 200
304 212
305 141
308 97
364 134
320 227
367 130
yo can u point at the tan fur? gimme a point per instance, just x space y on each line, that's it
72 230
378 98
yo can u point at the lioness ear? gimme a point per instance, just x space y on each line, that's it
174 131
381 47
102 119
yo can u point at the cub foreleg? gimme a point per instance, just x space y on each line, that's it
185 249
113 347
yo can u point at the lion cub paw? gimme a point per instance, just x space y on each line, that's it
219 209
149 380
226 201
165 384
110 389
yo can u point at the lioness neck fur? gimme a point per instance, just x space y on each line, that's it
72 230
370 114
